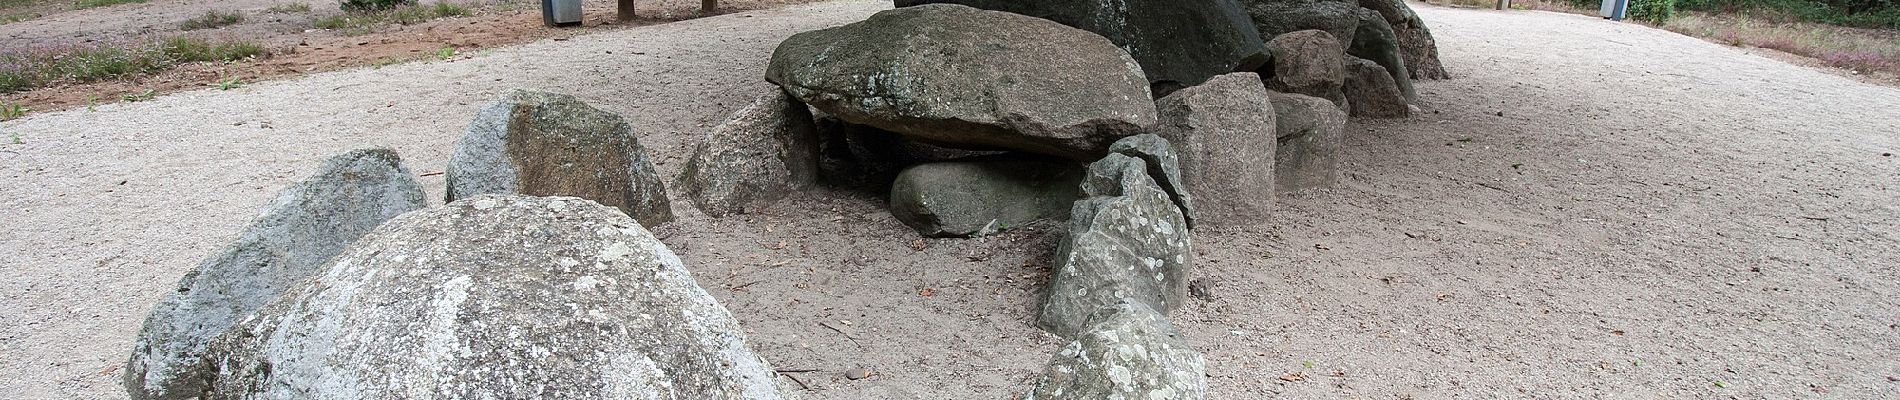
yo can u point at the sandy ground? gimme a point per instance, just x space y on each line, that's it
1591 210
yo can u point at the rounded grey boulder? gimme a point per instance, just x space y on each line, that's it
1129 352
766 151
958 76
1223 133
491 297
1309 62
1179 43
1279 17
545 144
971 198
1310 131
1371 92
309 223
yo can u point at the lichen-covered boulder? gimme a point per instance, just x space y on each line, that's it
766 151
309 222
496 297
1128 352
545 144
1223 133
1310 131
1310 63
963 77
977 197
1179 43
1127 243
1163 167
1376 42
1416 45
1370 91
1278 17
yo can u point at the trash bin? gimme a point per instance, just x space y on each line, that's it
1614 9
565 12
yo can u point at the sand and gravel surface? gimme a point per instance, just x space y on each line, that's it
1590 210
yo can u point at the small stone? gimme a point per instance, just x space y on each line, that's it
857 373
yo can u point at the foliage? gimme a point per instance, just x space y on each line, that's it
1652 11
374 5
85 4
212 19
33 67
10 111
362 22
288 8
1847 48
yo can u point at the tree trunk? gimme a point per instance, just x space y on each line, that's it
708 7
626 10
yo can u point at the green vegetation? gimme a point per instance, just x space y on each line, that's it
212 19
1848 48
1652 11
32 68
289 8
85 4
362 22
228 83
10 111
374 5
148 94
1883 14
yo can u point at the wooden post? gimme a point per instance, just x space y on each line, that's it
1504 4
708 7
626 10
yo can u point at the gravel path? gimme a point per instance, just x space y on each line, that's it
1591 209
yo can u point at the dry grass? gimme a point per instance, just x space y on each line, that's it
362 22
40 66
1862 50
212 19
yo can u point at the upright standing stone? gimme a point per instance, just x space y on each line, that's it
1310 131
544 144
1375 41
306 225
1163 167
1223 132
1127 243
1179 43
1370 90
496 297
958 76
1416 45
767 150
1310 63
1129 352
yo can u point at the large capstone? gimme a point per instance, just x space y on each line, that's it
1416 45
1310 63
545 144
1370 91
1127 243
496 297
1128 352
1223 134
1310 131
1179 43
959 76
980 196
766 151
308 223
1278 17
1376 41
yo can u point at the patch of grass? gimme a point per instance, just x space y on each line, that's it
40 66
12 18
228 83
10 111
445 53
148 94
212 19
1850 48
85 4
361 22
289 8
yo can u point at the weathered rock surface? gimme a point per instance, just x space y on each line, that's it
502 297
1179 43
545 144
1278 17
1127 243
1375 41
1370 91
1310 131
1223 133
766 151
299 232
1416 45
1129 352
981 196
1163 167
865 157
959 76
1308 62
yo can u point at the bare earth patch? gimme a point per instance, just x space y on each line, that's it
1591 209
